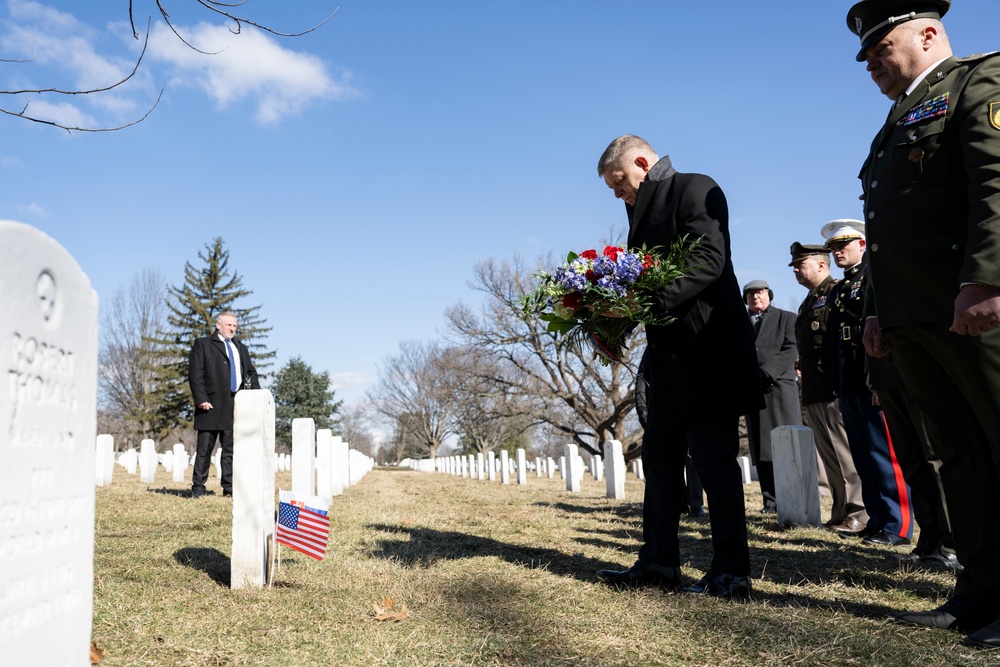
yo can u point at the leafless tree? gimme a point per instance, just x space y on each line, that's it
226 10
489 412
565 385
355 429
127 355
413 395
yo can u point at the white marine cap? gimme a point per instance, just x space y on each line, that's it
844 229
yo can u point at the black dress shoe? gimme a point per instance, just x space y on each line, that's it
697 511
884 539
959 614
227 493
721 586
642 574
935 618
197 493
987 637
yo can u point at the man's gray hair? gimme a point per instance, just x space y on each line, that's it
619 149
224 313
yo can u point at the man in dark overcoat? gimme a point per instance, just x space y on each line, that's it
774 335
931 187
218 367
704 371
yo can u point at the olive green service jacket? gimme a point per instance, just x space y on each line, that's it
932 194
819 370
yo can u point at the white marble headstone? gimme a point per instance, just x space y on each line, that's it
795 485
254 465
614 469
48 350
105 461
147 461
304 456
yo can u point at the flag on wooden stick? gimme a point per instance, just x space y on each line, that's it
303 525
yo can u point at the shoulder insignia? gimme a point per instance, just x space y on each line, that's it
994 112
932 108
976 57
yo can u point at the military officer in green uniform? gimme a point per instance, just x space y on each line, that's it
818 383
932 206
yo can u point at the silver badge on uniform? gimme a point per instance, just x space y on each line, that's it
814 326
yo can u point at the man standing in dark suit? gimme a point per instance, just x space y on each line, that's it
218 367
932 203
703 375
774 334
811 264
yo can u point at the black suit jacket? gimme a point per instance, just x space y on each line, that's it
208 375
704 365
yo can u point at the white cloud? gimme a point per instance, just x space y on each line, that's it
33 209
64 113
247 66
348 381
64 52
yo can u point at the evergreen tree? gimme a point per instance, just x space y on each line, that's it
301 392
193 307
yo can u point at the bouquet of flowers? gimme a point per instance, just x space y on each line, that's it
599 299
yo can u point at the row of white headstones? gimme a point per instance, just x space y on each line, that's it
332 467
794 461
49 462
571 467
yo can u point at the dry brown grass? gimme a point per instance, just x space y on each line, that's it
491 575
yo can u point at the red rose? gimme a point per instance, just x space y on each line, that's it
611 252
647 262
589 254
589 275
571 301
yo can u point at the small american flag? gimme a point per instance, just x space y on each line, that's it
302 529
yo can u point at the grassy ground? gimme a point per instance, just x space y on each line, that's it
490 575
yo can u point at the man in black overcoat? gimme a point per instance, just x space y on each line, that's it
218 367
774 336
704 371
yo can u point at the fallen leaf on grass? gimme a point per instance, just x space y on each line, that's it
96 653
387 611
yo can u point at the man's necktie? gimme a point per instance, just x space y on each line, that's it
232 367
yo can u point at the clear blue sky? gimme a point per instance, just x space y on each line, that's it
358 173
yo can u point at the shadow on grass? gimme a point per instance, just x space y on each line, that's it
181 493
425 546
212 562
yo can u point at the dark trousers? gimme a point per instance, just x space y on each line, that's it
203 457
914 453
886 496
765 469
695 493
714 448
955 381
